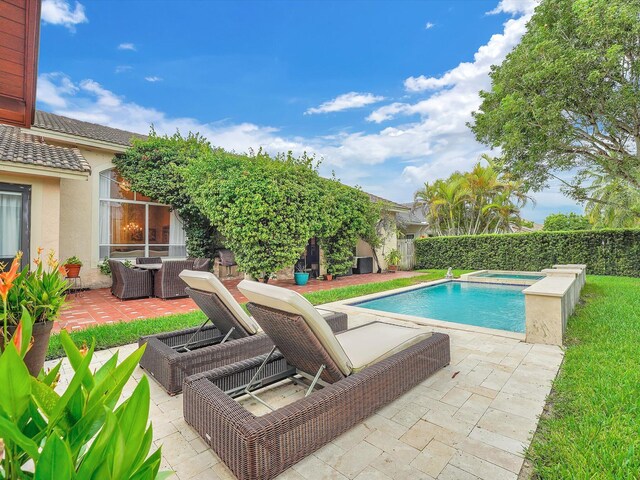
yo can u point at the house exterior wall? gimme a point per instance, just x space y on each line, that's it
45 209
79 210
389 242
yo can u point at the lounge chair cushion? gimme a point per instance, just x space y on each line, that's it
373 342
289 301
208 282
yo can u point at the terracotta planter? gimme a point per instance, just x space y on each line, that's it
392 268
328 277
73 270
35 356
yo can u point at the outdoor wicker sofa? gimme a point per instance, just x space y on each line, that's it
127 283
229 335
361 370
148 260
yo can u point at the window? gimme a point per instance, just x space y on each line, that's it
14 222
131 225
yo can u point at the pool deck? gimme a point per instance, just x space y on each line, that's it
471 420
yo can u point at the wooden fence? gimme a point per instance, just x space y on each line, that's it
407 253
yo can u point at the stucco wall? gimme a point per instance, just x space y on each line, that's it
79 218
389 242
45 209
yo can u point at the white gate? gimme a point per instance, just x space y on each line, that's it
407 253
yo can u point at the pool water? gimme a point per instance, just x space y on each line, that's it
480 304
516 276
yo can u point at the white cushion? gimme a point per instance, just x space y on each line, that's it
289 301
208 282
373 342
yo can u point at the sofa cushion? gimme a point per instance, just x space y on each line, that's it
373 342
208 282
292 302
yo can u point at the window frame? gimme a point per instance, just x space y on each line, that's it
145 245
25 237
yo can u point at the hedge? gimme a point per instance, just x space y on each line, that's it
606 252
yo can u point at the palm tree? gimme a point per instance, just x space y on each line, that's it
480 201
612 203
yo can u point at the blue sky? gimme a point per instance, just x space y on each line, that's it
380 90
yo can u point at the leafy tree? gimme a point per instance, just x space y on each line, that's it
566 98
480 201
152 168
558 222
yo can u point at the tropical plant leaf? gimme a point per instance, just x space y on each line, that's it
133 416
76 357
110 388
9 431
16 386
55 462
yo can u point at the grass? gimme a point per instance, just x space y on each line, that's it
592 426
122 333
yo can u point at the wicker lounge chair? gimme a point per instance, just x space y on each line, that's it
227 336
361 370
127 283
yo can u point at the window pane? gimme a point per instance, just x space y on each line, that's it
159 225
112 185
122 252
125 223
10 223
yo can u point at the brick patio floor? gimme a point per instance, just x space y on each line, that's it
96 307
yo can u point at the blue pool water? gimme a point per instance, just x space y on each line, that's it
518 276
479 304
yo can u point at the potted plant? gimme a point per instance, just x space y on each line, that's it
40 293
72 266
301 276
393 260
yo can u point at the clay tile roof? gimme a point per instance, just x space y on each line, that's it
92 131
19 147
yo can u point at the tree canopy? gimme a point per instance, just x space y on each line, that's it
558 222
470 203
566 98
267 208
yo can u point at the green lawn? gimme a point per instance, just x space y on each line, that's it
592 428
128 332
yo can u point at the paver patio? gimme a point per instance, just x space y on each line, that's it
95 307
473 419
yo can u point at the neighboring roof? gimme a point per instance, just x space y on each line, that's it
415 216
388 203
92 131
16 146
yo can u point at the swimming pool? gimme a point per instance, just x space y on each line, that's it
516 276
480 304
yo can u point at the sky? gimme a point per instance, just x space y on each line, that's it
380 90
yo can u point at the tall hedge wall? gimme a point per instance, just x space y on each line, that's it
606 252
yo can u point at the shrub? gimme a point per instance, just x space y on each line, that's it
606 252
558 222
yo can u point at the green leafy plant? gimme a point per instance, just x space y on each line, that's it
558 222
606 252
73 261
41 291
393 258
79 434
104 267
128 263
268 207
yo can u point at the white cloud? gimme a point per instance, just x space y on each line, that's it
429 25
346 101
59 12
54 89
514 7
153 79
123 68
127 46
